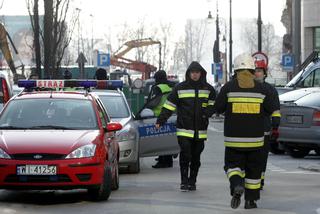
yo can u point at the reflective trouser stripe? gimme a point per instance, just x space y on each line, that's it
204 95
185 133
244 144
276 114
190 133
235 171
204 105
252 183
211 102
262 175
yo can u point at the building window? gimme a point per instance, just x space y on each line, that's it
316 39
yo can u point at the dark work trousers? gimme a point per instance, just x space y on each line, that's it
190 151
266 148
244 168
165 159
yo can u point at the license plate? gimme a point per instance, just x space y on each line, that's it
296 119
36 170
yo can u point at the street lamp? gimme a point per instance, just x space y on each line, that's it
259 22
230 41
216 49
79 10
91 15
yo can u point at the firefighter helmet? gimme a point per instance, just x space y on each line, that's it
244 62
261 64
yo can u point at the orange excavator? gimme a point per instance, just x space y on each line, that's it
117 58
4 46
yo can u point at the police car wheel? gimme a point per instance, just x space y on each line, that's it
135 167
103 191
115 180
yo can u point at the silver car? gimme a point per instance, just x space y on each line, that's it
299 129
138 137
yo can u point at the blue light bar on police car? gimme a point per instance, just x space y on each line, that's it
109 84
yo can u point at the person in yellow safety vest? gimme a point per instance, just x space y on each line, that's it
155 101
193 100
245 102
271 122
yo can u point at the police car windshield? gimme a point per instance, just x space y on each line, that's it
115 105
49 114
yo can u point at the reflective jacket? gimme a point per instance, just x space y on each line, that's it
245 110
193 102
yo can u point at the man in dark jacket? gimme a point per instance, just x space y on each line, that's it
271 122
155 101
193 100
244 102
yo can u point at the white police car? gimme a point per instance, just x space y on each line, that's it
138 137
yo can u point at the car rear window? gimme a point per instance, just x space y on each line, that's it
49 113
309 100
115 105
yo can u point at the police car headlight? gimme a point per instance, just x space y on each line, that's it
126 134
4 155
85 151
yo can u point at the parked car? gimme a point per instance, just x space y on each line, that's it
139 137
299 130
58 140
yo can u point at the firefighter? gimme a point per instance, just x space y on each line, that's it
270 124
156 99
101 74
244 102
67 74
193 100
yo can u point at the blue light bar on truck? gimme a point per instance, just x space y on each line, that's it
100 84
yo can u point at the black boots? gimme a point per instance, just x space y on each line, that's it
193 179
236 197
184 179
250 205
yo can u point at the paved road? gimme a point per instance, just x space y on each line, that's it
289 189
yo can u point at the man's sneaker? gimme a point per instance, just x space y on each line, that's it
184 187
250 205
192 187
236 198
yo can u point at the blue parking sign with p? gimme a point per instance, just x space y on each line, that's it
288 62
103 60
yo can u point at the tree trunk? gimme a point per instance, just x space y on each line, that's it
36 41
48 27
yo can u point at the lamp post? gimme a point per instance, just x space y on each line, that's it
79 10
230 41
216 49
259 22
91 15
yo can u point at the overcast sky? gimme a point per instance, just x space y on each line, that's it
108 13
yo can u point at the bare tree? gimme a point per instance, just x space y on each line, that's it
165 35
36 32
271 44
195 34
56 35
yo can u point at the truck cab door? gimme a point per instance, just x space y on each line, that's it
153 141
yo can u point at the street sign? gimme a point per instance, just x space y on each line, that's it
217 69
287 62
103 60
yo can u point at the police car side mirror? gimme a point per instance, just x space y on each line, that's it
146 113
112 127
